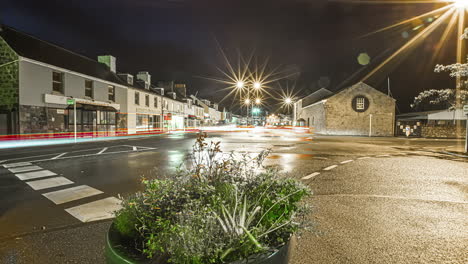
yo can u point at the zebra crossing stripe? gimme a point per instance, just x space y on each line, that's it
97 210
17 164
24 169
71 194
34 175
49 183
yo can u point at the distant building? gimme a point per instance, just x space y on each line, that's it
433 124
356 110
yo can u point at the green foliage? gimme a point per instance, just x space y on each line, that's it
223 208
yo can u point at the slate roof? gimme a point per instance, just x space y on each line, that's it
33 48
316 96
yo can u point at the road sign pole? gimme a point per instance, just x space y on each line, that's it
466 137
74 118
72 101
465 111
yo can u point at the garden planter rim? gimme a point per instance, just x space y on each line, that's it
114 256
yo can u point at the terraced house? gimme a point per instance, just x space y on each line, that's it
38 78
40 83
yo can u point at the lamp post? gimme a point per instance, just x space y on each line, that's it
255 87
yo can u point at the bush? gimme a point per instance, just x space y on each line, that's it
222 208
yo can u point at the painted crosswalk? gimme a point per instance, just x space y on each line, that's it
49 183
71 194
35 174
97 210
24 169
17 164
40 179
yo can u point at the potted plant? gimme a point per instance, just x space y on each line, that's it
221 208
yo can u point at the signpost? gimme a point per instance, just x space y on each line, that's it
465 111
71 101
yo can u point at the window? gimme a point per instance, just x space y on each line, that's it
89 88
137 98
147 100
111 93
57 82
360 103
155 102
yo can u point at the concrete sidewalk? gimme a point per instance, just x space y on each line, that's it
79 244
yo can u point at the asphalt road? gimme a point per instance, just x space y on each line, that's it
376 200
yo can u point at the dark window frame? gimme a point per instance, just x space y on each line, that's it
59 82
89 91
147 100
137 98
111 93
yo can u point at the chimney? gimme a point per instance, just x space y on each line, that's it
128 78
181 89
145 77
108 60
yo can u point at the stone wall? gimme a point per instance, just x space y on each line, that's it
443 132
314 116
342 119
33 119
9 87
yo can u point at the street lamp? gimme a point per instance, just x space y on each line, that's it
258 101
257 85
240 84
288 101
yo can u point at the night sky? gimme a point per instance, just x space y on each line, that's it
177 39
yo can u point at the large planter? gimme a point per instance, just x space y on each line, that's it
118 254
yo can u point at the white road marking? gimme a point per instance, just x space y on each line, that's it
97 210
363 158
330 167
1 161
71 194
385 155
17 164
58 156
138 147
86 155
49 183
102 151
24 169
34 175
134 148
311 176
346 161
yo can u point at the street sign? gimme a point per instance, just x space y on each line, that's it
70 101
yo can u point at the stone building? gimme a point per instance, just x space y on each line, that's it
356 110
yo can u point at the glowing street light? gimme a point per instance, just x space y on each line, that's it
247 101
258 101
240 84
460 3
257 85
288 100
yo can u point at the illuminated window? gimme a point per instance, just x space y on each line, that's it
57 82
137 98
89 88
360 103
111 93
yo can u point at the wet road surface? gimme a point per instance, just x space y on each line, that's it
375 199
